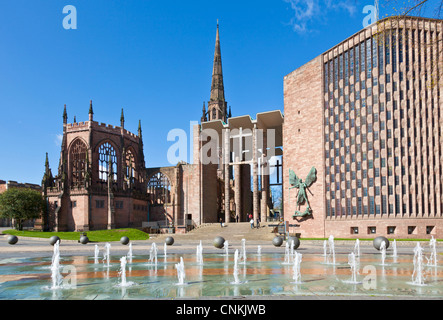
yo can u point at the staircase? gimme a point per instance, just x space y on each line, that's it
231 231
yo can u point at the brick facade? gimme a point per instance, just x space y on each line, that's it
303 143
367 114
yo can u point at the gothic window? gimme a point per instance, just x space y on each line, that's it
107 162
159 188
130 167
78 163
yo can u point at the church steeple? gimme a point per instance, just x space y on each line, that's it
217 88
217 109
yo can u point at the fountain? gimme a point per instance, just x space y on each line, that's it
122 273
353 263
291 248
153 254
56 276
223 276
96 253
288 255
418 276
394 250
107 255
383 252
432 260
180 272
236 271
226 247
236 280
330 256
357 248
296 274
130 253
199 255
165 250
325 251
259 251
243 250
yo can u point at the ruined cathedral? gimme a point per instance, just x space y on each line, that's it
103 182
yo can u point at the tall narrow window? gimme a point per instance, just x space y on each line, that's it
78 163
363 55
326 77
357 63
368 59
387 49
394 51
130 173
380 59
351 61
341 66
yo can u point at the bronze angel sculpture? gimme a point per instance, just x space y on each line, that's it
302 197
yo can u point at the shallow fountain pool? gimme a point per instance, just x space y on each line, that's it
217 275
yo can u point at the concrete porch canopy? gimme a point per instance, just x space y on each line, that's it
264 121
243 140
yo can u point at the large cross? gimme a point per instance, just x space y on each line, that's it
241 134
278 166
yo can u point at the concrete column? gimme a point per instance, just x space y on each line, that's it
237 188
255 195
264 190
111 210
265 170
226 150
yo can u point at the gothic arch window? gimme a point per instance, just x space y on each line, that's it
107 162
130 174
159 187
78 156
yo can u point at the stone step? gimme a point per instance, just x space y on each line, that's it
231 231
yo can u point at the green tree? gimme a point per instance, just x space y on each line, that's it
21 205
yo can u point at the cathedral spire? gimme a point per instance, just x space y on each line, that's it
217 88
217 109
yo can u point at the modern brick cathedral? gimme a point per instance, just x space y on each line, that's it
368 115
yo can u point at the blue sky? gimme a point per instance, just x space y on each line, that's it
152 58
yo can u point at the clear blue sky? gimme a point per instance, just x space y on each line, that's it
154 59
